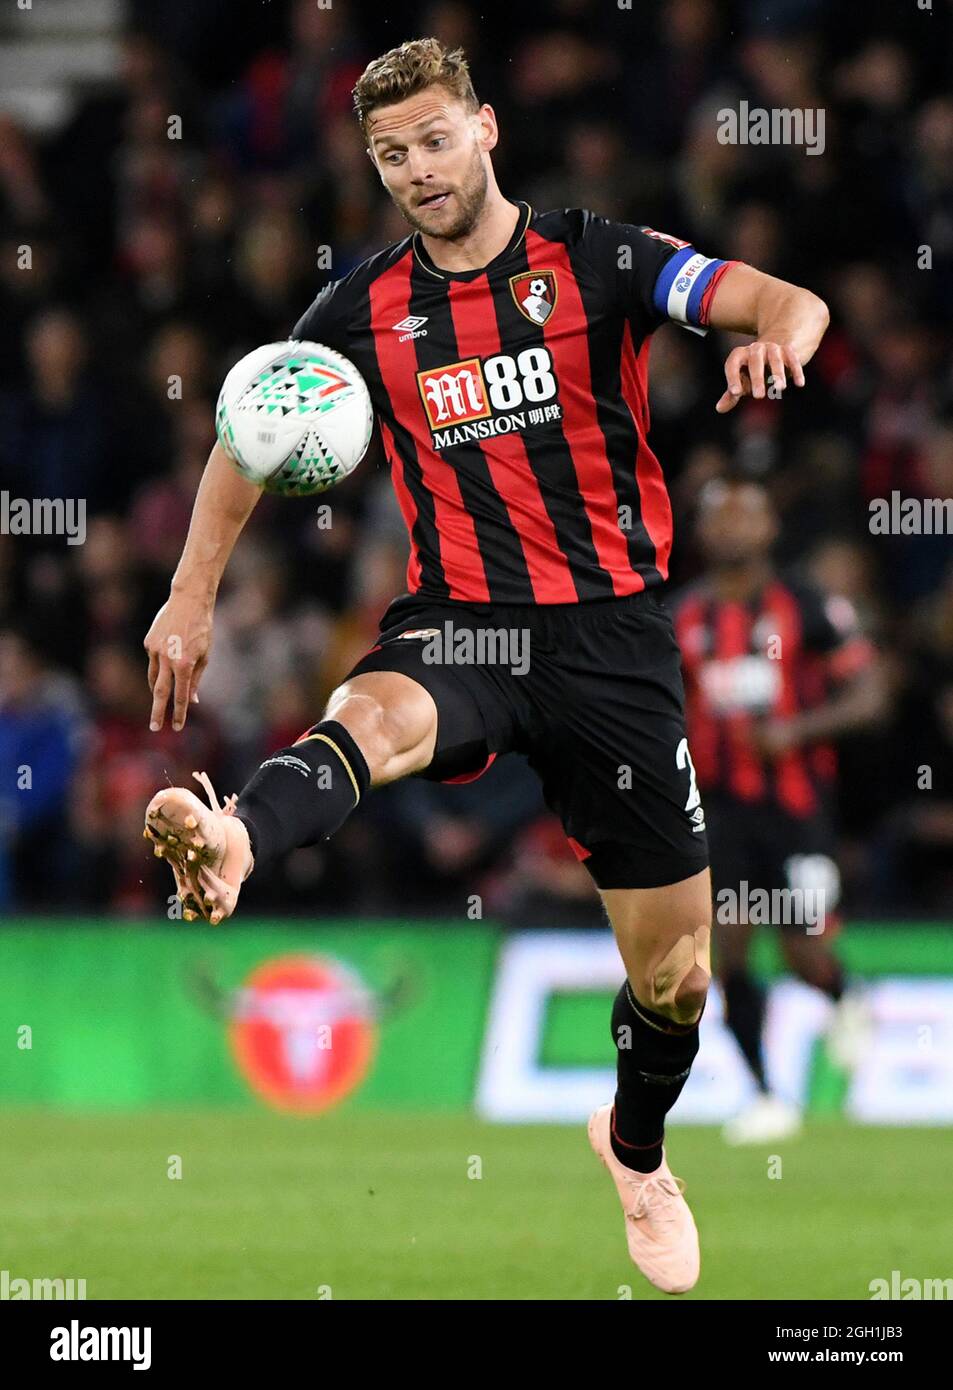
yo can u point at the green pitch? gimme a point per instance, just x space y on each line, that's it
385 1207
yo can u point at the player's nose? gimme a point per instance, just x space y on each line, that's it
418 166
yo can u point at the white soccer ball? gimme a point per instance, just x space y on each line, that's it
294 417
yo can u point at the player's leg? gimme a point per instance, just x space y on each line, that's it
743 994
664 936
397 714
780 851
768 1117
813 960
613 755
811 874
377 727
809 948
734 849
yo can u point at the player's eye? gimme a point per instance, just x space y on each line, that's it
437 140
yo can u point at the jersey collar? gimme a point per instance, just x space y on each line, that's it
519 232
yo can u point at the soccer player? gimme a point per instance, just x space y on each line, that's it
773 671
505 350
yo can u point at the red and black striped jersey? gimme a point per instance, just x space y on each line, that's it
513 406
769 658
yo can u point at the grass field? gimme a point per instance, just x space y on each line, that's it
381 1207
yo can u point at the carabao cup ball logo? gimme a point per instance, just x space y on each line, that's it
302 1032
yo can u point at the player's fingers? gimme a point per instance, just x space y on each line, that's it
733 373
776 367
160 696
794 362
726 402
183 681
756 369
197 674
153 669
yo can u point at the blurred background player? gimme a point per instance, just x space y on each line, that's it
774 671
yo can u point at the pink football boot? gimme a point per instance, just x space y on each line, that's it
207 850
659 1227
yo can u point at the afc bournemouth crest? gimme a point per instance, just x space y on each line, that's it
535 293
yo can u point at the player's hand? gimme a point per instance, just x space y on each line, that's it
178 643
774 737
747 367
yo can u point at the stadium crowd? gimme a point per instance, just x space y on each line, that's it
160 251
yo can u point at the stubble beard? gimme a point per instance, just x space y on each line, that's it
470 198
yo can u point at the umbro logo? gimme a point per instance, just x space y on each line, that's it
410 327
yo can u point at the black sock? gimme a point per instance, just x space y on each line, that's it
744 1010
302 794
655 1056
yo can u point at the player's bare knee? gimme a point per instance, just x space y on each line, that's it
678 979
691 995
384 730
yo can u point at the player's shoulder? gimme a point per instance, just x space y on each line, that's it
583 226
560 224
574 226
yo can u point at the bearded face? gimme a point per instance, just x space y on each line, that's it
431 154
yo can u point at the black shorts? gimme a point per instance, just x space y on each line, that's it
761 845
591 693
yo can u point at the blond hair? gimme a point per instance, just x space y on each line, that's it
413 67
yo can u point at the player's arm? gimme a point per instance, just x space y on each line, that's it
861 694
788 323
658 277
180 638
860 702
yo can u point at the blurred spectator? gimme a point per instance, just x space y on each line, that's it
125 763
56 440
41 734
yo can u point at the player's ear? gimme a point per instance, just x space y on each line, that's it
488 131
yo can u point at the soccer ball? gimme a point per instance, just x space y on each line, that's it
294 418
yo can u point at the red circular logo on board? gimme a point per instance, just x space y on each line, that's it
303 1032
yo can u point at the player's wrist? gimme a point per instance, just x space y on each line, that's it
195 586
